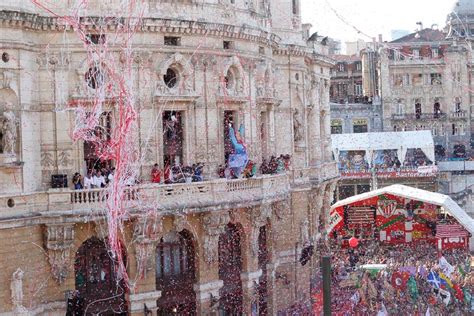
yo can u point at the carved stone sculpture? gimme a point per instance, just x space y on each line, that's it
16 287
146 234
8 127
297 126
59 241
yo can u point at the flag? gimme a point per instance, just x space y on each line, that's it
383 311
445 280
447 268
445 296
467 296
434 279
412 288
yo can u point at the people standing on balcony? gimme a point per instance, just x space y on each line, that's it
98 180
110 177
156 174
197 176
77 181
88 180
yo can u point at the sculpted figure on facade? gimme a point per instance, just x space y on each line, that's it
16 288
297 126
8 128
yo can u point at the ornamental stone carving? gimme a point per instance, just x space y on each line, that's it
16 287
8 128
59 241
297 126
147 232
282 208
6 78
214 226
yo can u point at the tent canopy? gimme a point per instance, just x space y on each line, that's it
371 142
407 192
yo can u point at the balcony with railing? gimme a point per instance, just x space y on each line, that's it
206 195
421 117
459 115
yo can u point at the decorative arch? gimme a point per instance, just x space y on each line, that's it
178 61
96 279
181 69
233 63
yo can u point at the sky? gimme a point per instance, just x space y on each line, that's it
372 17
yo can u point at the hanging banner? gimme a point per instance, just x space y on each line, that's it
334 220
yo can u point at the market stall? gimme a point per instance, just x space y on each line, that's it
400 214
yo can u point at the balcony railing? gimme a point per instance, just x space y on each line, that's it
423 116
211 194
459 114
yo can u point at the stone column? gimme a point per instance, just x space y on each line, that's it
249 289
208 283
314 137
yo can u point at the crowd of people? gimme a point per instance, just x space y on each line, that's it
177 173
94 179
417 280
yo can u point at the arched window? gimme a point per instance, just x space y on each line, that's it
175 274
94 77
171 78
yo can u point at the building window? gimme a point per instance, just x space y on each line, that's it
457 105
95 39
261 50
436 109
173 138
398 80
360 126
400 107
94 77
295 6
172 41
336 127
434 53
341 67
170 78
416 53
417 79
418 109
228 45
358 89
358 66
436 79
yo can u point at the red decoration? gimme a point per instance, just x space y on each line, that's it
353 242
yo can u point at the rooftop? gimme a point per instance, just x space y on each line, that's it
425 35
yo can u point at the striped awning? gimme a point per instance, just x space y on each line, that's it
450 231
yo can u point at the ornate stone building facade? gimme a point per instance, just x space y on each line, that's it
216 245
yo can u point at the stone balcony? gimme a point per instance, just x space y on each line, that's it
464 115
196 196
419 117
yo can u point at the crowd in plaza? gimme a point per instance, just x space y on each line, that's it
376 279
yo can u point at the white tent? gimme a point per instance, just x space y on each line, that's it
370 142
407 192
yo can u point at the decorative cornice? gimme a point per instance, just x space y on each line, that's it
43 23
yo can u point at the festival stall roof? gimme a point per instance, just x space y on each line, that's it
370 142
407 192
